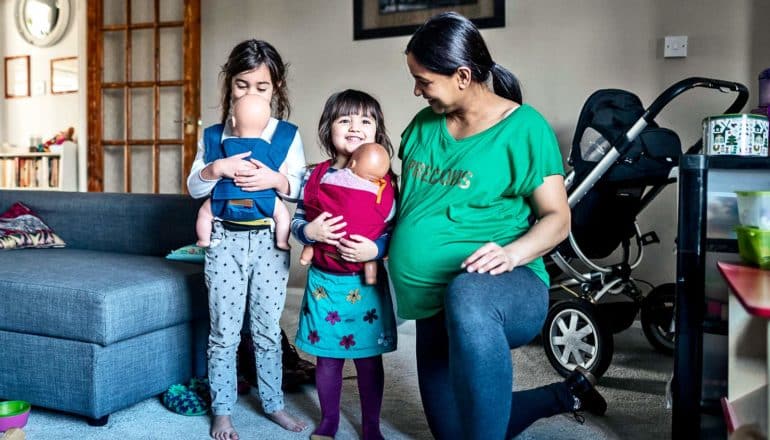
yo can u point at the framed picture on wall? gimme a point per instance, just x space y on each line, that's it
64 75
17 77
390 18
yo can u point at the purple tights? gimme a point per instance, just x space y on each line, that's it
328 378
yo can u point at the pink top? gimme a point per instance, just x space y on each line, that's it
750 285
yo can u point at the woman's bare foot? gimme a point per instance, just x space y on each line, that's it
222 429
287 421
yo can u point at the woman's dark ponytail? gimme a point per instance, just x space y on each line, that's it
448 41
505 83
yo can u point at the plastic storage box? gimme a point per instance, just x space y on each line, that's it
754 209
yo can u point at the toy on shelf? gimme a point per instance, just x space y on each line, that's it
58 139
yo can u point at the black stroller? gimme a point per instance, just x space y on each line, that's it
621 161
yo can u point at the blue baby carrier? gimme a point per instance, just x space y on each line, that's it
228 201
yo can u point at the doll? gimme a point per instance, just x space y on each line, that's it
251 114
366 169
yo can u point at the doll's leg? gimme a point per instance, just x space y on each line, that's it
282 220
370 272
203 224
307 255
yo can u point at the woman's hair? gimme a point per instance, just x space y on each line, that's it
448 41
351 102
249 55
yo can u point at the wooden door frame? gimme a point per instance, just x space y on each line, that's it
190 91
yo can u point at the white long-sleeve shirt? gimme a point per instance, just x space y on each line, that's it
295 164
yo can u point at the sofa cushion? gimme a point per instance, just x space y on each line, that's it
22 228
98 297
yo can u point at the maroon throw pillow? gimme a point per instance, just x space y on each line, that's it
21 228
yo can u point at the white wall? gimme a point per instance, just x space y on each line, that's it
561 51
43 114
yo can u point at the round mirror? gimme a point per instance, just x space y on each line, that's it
42 22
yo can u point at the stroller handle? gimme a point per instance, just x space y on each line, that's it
690 83
622 145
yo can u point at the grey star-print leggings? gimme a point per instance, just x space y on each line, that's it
245 268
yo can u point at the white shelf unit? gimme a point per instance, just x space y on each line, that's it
56 170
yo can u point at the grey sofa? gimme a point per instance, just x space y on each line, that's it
106 321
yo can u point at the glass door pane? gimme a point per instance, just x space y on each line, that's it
171 169
171 57
172 10
114 56
114 12
143 11
142 55
141 169
113 123
171 113
142 110
114 169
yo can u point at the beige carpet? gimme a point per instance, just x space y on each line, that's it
634 386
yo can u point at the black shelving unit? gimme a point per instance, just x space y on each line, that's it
707 215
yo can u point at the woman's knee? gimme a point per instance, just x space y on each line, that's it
514 299
465 295
467 305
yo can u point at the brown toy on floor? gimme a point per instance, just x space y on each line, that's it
13 434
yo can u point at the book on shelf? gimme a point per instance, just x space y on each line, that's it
48 170
29 172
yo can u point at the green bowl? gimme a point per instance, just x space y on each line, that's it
13 414
13 407
754 245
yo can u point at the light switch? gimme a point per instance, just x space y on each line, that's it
675 46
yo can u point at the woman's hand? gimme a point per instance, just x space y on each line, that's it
324 229
553 213
256 176
491 258
357 249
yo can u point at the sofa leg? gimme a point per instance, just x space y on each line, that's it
101 421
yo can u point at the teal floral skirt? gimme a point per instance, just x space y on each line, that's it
343 318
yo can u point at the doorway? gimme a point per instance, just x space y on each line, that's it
143 94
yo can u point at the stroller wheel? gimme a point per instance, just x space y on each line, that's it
658 317
573 335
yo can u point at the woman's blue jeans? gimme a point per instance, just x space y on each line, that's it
464 362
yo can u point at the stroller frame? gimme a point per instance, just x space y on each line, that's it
576 332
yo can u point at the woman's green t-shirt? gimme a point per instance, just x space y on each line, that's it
457 195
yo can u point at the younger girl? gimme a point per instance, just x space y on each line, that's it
243 267
342 317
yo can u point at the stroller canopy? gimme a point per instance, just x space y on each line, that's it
605 216
604 120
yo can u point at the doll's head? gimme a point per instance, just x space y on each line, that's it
250 116
370 161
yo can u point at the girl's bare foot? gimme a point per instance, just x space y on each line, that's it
282 245
203 243
222 429
287 421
